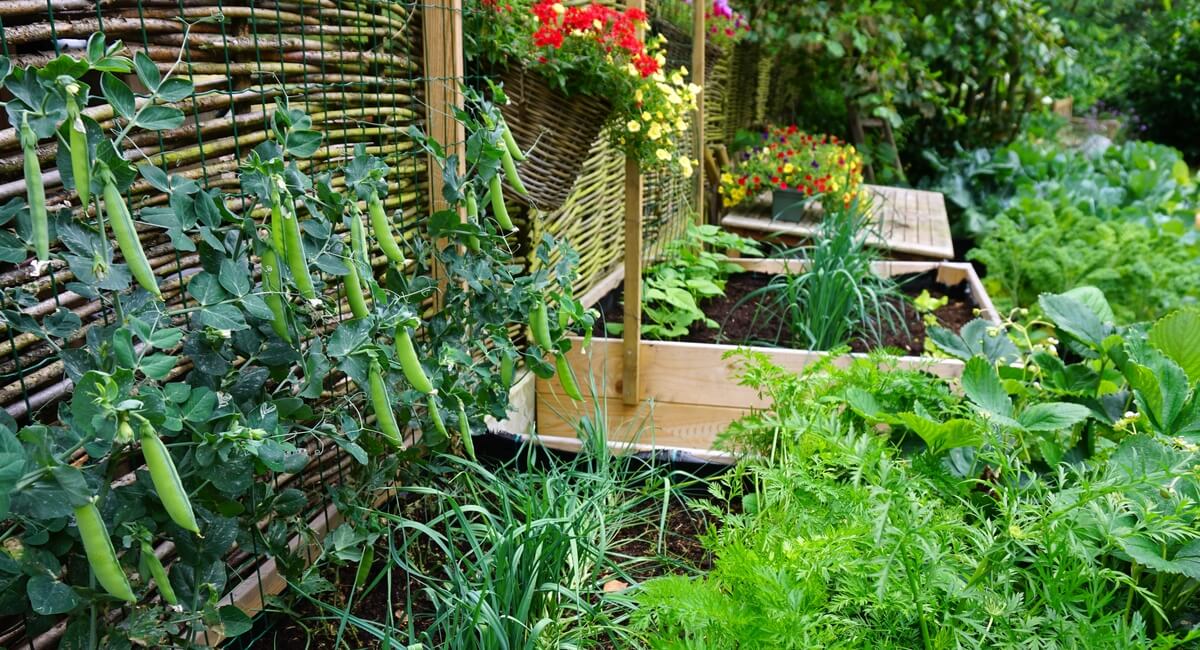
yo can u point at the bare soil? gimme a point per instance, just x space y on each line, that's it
750 321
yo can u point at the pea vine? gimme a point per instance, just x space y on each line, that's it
202 403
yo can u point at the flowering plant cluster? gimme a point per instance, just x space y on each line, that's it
789 159
725 25
593 50
649 126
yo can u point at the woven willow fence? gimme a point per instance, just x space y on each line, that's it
355 67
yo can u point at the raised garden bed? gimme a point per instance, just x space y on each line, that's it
689 392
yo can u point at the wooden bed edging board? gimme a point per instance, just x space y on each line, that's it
689 392
522 413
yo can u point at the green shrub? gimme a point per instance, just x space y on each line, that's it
1041 247
1163 83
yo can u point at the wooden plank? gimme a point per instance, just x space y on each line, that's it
907 221
696 373
655 425
573 443
699 39
634 188
443 49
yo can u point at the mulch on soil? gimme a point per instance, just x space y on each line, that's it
752 321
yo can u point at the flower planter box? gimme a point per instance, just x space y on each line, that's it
556 131
794 207
689 392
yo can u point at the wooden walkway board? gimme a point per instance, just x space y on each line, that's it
910 222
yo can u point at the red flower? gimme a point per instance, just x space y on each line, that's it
547 37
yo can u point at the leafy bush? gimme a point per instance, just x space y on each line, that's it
1138 181
1050 217
962 534
1039 248
953 70
1163 82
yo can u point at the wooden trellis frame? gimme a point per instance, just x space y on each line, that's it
634 200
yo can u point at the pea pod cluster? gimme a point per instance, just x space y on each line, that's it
285 233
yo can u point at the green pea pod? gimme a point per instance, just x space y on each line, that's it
127 239
510 172
510 143
472 205
166 480
101 555
358 236
499 210
364 567
464 431
407 354
507 366
81 166
436 416
566 377
152 566
539 323
293 248
273 286
354 290
382 227
35 191
277 224
382 404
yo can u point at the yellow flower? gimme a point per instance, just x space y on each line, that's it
634 126
637 95
655 131
685 166
646 116
558 8
663 155
726 177
788 168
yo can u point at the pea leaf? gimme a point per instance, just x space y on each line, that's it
119 95
48 596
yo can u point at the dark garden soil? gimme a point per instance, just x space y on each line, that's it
752 322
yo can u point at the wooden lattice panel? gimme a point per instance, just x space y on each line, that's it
906 222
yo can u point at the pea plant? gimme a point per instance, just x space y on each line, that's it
200 402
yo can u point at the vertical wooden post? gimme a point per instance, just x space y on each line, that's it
631 385
699 40
443 35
